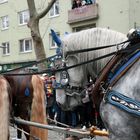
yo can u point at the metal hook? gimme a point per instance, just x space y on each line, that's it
102 88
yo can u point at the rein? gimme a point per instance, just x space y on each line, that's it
55 56
31 64
61 69
96 48
53 70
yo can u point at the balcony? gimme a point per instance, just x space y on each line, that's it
84 13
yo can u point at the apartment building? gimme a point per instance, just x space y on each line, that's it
120 15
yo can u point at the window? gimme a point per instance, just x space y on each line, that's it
55 9
2 1
6 48
23 17
52 43
25 45
5 22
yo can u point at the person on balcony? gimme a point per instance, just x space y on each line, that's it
79 3
76 4
83 2
88 2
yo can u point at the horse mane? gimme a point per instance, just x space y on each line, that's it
94 37
4 108
38 111
91 38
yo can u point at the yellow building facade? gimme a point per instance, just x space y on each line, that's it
16 38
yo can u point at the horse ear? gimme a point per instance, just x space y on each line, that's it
56 38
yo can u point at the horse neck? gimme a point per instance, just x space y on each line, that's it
93 69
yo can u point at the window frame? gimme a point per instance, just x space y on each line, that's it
4 22
24 46
6 49
54 10
23 20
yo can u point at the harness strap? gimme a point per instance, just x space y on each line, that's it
124 69
102 78
117 99
123 102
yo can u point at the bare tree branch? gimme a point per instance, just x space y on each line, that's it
32 8
46 10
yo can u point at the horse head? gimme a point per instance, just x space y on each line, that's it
75 74
70 80
79 75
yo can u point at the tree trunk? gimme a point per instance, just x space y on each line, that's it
38 43
35 33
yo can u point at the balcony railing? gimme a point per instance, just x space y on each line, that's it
87 12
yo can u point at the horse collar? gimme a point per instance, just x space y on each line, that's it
123 102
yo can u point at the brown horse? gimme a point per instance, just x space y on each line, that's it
27 102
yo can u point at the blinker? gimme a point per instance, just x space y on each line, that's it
64 78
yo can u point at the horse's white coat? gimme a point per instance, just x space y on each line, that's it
121 125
